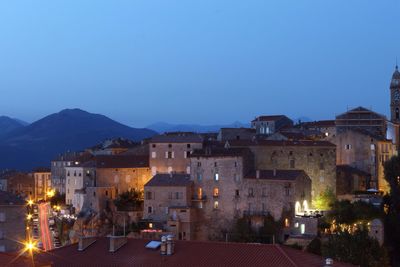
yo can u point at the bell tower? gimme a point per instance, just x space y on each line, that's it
395 96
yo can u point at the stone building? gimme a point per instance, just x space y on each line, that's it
316 158
12 222
170 152
226 187
350 180
367 152
112 147
236 134
326 127
18 183
42 183
97 199
364 119
266 125
168 199
123 172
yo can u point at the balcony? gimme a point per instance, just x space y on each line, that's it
255 213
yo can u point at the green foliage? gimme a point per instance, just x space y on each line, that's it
357 248
315 246
129 200
345 212
325 199
242 231
392 205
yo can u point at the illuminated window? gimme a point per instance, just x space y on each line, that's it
216 204
150 225
200 193
287 224
216 192
302 228
153 154
199 177
296 225
216 177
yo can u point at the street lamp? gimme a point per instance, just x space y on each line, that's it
29 216
30 202
50 193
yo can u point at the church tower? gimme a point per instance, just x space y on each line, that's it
395 97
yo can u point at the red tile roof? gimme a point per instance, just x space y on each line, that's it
187 253
14 260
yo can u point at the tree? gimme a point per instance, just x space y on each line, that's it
357 248
392 207
315 246
242 231
325 199
129 200
58 199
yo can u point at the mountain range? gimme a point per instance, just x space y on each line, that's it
26 147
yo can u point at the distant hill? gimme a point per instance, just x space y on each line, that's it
162 127
8 125
71 129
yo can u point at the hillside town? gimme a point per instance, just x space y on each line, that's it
280 182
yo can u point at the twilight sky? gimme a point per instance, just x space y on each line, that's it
197 61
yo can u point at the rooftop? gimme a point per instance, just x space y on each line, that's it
177 137
310 143
187 253
269 118
172 179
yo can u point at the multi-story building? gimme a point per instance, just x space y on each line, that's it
170 152
316 158
350 180
42 186
168 199
364 119
58 164
123 172
12 222
367 152
18 183
78 177
226 187
266 125
236 134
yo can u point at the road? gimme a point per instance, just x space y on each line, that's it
44 226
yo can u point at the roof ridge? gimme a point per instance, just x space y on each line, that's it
286 255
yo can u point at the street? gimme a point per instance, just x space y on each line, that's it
44 226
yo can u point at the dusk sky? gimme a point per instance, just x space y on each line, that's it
203 62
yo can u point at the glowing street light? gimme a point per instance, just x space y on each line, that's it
30 202
29 216
50 193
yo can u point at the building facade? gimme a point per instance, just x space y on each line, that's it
266 125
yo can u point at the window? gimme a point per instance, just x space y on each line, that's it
199 193
236 164
153 145
106 193
287 190
94 193
150 209
188 169
153 155
169 145
348 147
292 163
302 228
169 154
321 166
198 164
264 192
237 193
199 177
74 173
236 177
178 195
149 195
251 192
216 204
296 225
216 192
215 164
216 177
287 223
188 145
187 154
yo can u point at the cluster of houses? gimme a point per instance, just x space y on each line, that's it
195 185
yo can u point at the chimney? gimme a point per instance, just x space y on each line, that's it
258 174
85 241
328 262
274 172
116 242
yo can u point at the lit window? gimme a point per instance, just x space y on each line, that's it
199 177
287 224
150 225
153 154
302 228
296 225
200 193
216 204
216 192
216 177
